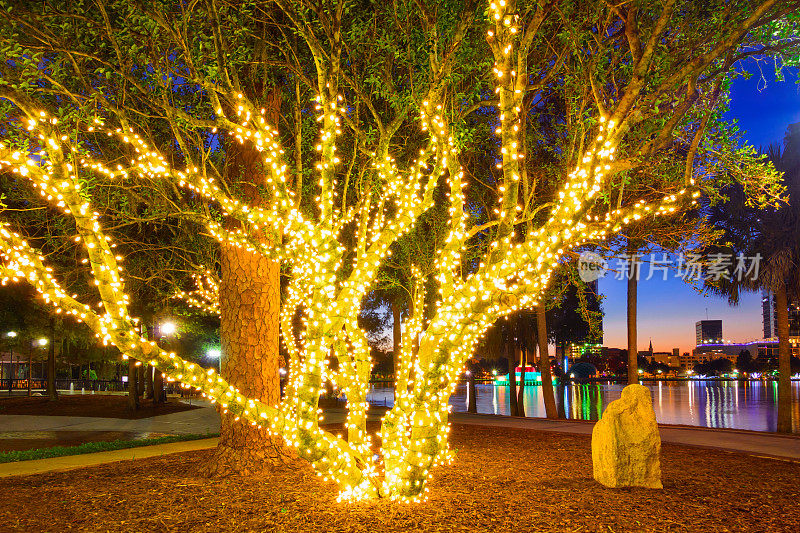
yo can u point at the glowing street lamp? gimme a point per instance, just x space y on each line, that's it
215 353
168 328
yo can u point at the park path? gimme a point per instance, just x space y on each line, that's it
750 442
194 421
206 420
71 462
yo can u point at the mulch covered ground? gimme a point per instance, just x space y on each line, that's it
501 480
93 405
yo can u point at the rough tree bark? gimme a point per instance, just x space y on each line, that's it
249 295
633 350
784 360
52 393
148 382
544 364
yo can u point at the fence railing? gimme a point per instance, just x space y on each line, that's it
97 385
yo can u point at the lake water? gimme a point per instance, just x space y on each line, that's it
716 404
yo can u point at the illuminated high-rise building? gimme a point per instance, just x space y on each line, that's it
769 320
708 332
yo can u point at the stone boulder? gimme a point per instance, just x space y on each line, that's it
626 445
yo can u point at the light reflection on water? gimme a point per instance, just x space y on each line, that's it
718 404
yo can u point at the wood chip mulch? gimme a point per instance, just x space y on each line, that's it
92 405
502 480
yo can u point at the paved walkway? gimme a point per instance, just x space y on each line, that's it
751 442
194 421
71 462
206 420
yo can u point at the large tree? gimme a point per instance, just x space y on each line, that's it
758 249
621 81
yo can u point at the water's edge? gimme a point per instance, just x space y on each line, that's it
748 405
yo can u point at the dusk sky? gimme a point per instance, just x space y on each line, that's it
669 309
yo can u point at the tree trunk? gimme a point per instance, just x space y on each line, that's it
521 389
148 382
30 367
52 393
158 387
298 137
11 372
249 301
512 375
633 350
396 338
544 364
133 387
784 361
249 295
562 404
472 406
141 369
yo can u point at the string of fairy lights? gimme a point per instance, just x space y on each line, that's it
512 279
205 297
323 293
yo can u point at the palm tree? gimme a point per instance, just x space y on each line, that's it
633 287
550 408
773 235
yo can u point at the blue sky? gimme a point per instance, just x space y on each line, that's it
669 309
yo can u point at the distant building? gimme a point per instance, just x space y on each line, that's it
611 352
766 349
577 350
768 309
593 305
686 361
720 348
708 331
666 358
710 351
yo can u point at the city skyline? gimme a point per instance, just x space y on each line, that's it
668 309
